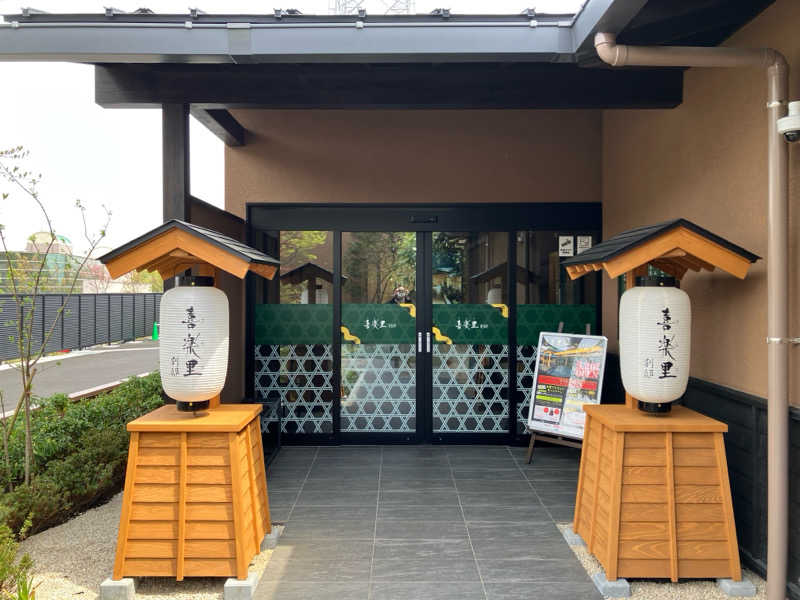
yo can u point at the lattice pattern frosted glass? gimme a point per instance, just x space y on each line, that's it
298 378
378 388
470 388
526 365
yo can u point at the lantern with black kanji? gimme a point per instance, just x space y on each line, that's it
655 324
193 342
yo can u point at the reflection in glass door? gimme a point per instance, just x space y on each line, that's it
378 326
470 329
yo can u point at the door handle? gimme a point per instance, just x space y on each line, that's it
428 337
419 342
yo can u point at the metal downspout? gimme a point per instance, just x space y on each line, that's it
777 266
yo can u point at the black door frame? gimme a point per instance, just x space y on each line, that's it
583 217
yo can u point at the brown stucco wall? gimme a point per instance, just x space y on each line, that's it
414 156
706 161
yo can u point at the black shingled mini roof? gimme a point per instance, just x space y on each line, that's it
223 242
622 242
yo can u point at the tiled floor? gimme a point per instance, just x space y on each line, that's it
423 522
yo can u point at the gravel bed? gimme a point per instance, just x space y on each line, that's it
689 589
71 560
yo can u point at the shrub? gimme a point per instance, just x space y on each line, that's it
80 452
14 571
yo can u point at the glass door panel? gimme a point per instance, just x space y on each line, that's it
379 354
548 300
470 333
293 330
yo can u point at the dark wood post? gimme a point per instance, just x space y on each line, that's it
175 164
175 143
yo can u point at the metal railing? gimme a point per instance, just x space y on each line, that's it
88 320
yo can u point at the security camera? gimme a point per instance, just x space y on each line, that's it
789 125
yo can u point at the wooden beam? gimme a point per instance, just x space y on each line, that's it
221 123
401 85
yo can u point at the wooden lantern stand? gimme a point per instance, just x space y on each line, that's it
195 501
653 497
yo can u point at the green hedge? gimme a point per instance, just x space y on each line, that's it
80 451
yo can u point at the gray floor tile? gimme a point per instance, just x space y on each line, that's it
450 590
512 474
417 485
553 487
542 591
324 513
281 497
421 530
498 498
339 529
489 485
294 590
450 512
322 549
561 512
423 549
543 569
514 541
334 486
529 513
430 498
284 484
433 569
343 498
335 472
434 472
279 513
322 571
481 462
548 496
416 461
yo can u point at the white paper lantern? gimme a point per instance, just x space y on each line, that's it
655 325
193 342
321 297
495 296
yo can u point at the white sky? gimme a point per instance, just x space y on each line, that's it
113 156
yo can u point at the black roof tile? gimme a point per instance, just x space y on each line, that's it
223 242
622 242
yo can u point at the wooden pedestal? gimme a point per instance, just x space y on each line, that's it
653 495
195 501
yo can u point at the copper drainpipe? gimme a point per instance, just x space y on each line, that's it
777 265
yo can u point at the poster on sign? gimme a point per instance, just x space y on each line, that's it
568 374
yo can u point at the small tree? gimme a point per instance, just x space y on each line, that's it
25 285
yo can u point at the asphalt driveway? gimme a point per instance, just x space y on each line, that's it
73 372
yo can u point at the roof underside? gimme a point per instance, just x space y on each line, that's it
398 61
144 36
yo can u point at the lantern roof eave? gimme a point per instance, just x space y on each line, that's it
176 246
675 247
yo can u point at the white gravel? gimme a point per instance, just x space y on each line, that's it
71 560
689 589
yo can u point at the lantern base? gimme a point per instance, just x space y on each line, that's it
192 406
655 408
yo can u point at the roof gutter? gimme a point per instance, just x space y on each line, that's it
777 69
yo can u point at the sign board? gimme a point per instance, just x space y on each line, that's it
566 245
584 243
568 374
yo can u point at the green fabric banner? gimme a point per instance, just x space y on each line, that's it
470 323
533 318
293 324
378 323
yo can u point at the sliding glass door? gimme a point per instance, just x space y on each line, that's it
427 332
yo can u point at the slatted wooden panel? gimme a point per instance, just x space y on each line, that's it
656 504
195 504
